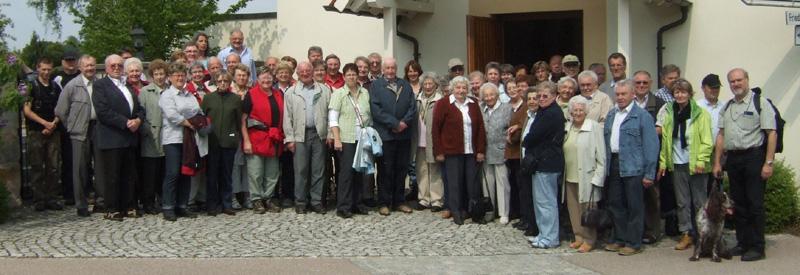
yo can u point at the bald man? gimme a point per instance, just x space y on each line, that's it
237 46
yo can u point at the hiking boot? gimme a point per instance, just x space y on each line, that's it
613 247
684 243
628 251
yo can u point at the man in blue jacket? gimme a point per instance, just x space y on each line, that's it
394 111
632 154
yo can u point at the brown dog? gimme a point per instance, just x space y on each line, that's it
710 223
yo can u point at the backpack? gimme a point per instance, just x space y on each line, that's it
779 122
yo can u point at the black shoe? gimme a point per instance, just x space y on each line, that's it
522 225
39 206
319 209
150 210
273 207
435 209
458 219
185 213
287 203
361 210
752 255
170 216
417 206
54 205
259 207
300 209
650 239
213 213
70 202
530 233
229 212
344 214
98 208
83 212
115 216
736 251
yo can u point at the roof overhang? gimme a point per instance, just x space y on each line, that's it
375 8
670 3
773 3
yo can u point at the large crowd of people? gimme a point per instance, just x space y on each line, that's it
535 147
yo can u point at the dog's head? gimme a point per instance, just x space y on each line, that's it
719 204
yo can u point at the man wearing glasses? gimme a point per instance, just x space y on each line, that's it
119 116
600 103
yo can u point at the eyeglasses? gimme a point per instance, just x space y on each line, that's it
115 66
643 82
223 81
178 75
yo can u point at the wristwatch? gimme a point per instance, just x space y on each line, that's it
769 162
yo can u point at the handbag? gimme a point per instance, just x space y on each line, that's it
528 164
594 217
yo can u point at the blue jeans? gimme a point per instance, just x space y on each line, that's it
176 187
545 205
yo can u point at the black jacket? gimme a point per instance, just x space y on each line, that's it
545 139
113 113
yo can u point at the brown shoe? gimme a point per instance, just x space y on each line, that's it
628 251
576 244
686 242
405 209
384 211
258 207
613 247
446 214
585 247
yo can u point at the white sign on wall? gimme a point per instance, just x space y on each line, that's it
792 18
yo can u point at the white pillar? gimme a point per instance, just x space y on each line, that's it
389 31
624 30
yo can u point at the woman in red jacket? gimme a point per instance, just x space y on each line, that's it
459 140
263 140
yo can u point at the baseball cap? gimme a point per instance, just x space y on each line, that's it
570 58
454 62
70 55
712 80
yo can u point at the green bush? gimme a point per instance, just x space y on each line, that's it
781 199
4 196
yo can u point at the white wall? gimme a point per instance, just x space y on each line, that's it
441 35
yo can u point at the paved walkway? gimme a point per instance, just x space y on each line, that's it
286 243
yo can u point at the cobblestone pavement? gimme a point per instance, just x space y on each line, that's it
63 234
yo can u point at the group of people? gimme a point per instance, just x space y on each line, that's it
502 143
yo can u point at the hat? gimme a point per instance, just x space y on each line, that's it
70 55
712 80
454 62
570 58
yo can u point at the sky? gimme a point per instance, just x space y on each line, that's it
26 20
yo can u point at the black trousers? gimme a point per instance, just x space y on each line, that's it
286 181
393 169
150 179
219 184
513 170
526 213
119 176
747 190
462 179
349 183
66 167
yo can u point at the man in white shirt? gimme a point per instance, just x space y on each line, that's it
237 46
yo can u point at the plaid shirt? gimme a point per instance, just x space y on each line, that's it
664 94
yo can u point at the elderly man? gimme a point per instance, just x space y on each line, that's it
710 101
214 69
748 138
314 54
652 195
571 65
374 66
599 102
632 155
618 65
669 73
119 116
305 125
394 112
231 61
600 70
237 46
272 63
44 137
76 110
333 77
455 67
556 71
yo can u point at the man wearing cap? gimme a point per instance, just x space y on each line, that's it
571 65
455 68
710 101
69 70
618 65
748 139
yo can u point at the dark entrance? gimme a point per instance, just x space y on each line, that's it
530 37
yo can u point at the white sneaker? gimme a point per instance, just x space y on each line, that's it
503 220
534 239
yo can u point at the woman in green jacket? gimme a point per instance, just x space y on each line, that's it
686 151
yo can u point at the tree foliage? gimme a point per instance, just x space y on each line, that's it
37 48
106 24
4 22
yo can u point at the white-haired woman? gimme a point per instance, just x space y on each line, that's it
566 90
584 170
496 116
133 75
429 175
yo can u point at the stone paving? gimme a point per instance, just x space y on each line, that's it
63 234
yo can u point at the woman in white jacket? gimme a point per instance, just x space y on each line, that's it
584 172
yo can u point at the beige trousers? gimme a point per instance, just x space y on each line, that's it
584 234
429 179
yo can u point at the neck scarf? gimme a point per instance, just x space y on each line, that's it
680 117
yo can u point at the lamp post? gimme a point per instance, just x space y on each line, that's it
138 37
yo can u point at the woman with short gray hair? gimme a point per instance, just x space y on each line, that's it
566 90
429 175
496 116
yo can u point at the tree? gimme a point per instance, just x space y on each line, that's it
4 22
106 24
37 48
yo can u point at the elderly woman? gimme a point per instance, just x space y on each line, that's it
133 75
459 140
283 72
178 106
241 188
541 72
686 151
545 142
152 164
362 63
584 170
348 114
197 85
262 141
225 110
496 116
566 90
429 175
318 72
520 125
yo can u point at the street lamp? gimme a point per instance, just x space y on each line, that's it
138 37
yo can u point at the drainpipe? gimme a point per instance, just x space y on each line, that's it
660 36
411 39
